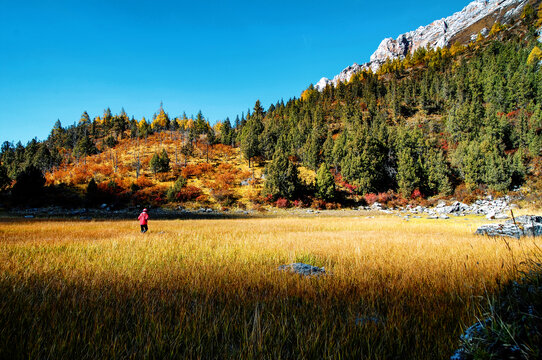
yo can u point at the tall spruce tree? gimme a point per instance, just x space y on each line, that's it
282 179
325 183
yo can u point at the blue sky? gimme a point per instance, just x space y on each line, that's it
60 58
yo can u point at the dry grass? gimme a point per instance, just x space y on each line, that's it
210 289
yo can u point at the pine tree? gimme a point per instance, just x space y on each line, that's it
327 148
282 178
339 149
226 132
84 147
160 162
28 184
497 172
250 143
325 183
174 190
85 119
437 172
5 180
91 195
311 153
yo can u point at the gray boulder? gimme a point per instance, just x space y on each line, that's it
526 225
303 269
526 220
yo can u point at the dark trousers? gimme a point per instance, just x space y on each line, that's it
144 228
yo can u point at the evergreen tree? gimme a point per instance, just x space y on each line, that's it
43 159
250 143
410 171
92 193
339 149
497 172
84 147
282 178
174 190
28 184
160 162
5 180
364 162
226 133
438 173
325 183
327 148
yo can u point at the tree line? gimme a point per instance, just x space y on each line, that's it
466 116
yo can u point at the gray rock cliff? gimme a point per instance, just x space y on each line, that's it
439 33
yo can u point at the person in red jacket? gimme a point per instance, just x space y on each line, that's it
143 217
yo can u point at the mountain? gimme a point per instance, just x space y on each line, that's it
463 26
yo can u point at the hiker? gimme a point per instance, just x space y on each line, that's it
143 217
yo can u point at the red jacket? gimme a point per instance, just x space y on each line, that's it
143 217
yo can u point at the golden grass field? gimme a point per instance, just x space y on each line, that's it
211 288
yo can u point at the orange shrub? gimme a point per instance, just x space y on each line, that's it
224 196
80 175
318 204
144 182
104 169
222 150
203 199
224 181
196 170
244 175
189 193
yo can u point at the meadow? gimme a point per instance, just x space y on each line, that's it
211 288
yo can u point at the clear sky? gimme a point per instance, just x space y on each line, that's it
60 58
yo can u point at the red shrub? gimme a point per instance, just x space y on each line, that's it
318 204
416 194
282 203
383 197
370 198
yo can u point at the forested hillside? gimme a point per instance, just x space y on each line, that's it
464 119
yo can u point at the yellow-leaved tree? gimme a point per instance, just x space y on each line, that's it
161 121
535 55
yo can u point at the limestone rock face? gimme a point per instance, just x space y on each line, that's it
439 33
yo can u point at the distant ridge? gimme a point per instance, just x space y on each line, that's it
440 33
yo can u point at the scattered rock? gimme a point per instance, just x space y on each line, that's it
526 225
526 220
470 335
501 217
303 269
376 206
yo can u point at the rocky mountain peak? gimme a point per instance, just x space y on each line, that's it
439 33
